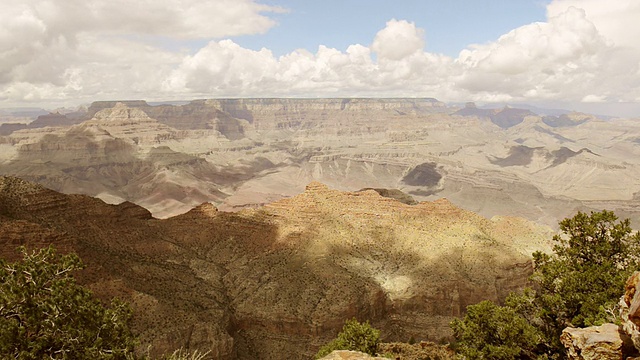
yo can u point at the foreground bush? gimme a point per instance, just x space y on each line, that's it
354 336
578 285
44 314
489 331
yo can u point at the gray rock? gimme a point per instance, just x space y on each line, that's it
605 342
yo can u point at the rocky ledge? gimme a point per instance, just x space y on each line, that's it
610 341
279 281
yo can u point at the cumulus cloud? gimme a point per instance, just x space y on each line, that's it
569 57
29 28
539 60
398 40
616 20
223 68
584 52
59 47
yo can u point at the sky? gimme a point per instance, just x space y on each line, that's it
575 54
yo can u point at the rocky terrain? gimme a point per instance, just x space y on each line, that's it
277 281
610 341
250 152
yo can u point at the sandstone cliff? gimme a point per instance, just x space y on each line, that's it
241 153
279 281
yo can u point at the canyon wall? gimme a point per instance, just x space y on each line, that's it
239 153
280 280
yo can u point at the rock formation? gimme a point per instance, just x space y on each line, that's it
279 281
630 309
609 341
241 153
350 355
605 342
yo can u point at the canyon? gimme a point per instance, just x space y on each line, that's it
253 228
278 281
238 153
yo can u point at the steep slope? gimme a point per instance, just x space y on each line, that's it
127 255
240 153
116 156
278 281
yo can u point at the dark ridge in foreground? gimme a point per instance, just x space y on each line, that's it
278 281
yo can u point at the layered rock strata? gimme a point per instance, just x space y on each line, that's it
279 281
241 153
605 342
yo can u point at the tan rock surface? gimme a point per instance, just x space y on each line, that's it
248 152
630 309
350 355
279 281
605 342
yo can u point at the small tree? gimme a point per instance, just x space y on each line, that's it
489 331
44 313
578 285
354 336
581 283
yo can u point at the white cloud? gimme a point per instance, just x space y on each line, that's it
398 40
223 68
541 60
183 18
616 20
586 51
31 28
55 49
567 58
593 99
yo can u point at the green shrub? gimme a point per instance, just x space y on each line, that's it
354 336
489 331
578 285
412 340
45 314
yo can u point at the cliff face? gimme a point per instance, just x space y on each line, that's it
272 114
242 153
127 255
279 281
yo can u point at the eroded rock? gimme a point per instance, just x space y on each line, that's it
605 342
630 309
278 282
350 355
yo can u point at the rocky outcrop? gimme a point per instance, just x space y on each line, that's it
630 309
610 341
278 281
409 282
394 194
605 342
350 355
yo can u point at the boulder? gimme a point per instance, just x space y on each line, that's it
610 341
629 309
350 355
605 342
